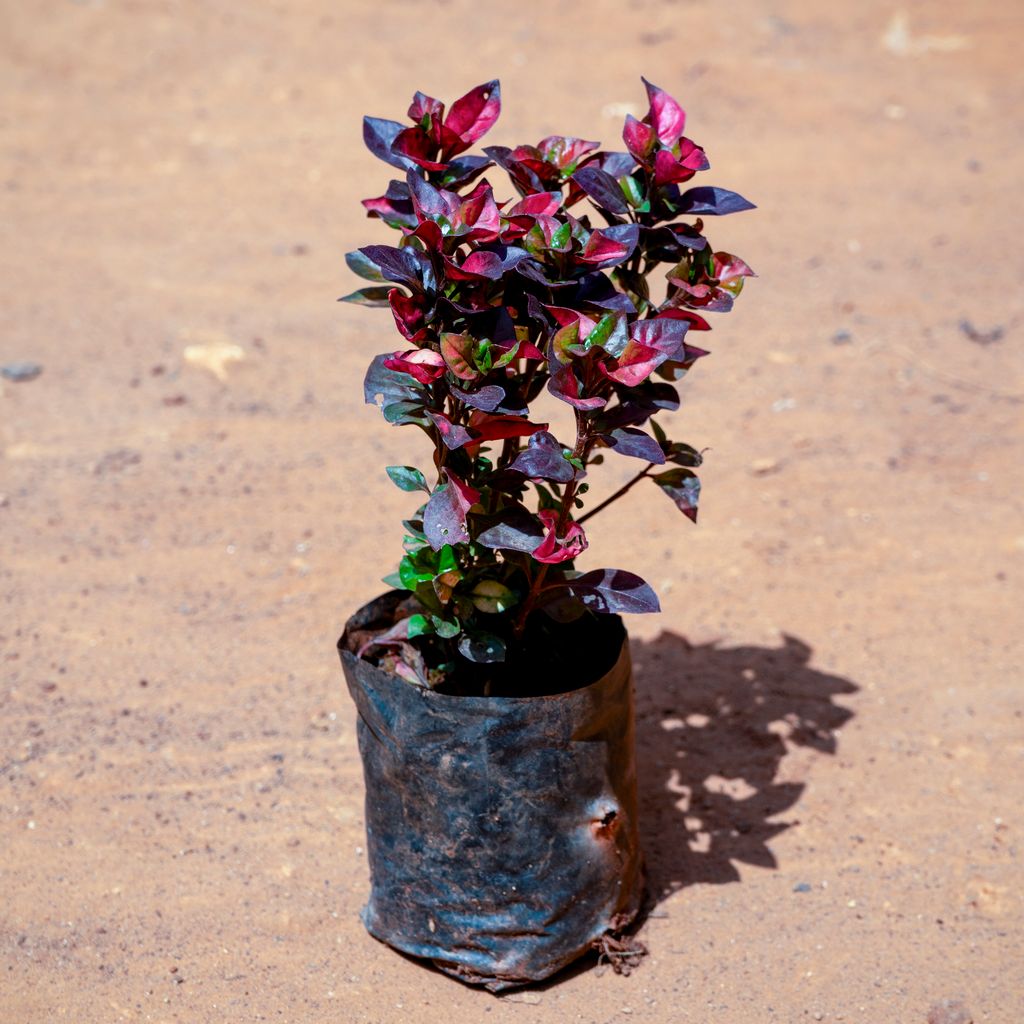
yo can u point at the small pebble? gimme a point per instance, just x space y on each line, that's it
842 337
802 887
21 372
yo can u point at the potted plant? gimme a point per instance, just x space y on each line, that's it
492 681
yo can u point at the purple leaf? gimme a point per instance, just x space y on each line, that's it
444 518
543 460
613 591
403 266
487 398
429 202
379 136
636 443
708 200
387 385
683 487
453 434
618 165
463 170
602 188
512 529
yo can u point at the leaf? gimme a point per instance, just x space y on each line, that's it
708 200
613 591
492 597
418 625
683 487
512 529
454 435
369 296
483 648
564 384
457 352
608 247
388 385
610 334
444 519
394 580
359 263
666 115
543 459
463 170
473 115
636 443
403 266
379 136
408 478
445 628
486 427
640 138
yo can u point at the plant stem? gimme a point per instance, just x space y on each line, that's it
618 494
579 452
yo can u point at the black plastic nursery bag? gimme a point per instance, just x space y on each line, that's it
501 831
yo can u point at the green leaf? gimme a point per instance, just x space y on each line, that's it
368 297
446 561
560 238
419 625
408 478
633 192
411 571
445 628
394 580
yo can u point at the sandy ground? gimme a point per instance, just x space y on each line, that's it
831 714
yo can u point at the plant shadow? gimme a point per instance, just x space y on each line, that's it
714 725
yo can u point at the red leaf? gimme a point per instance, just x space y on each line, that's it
409 314
418 146
472 116
495 428
546 203
563 384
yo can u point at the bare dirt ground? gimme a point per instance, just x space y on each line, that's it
831 713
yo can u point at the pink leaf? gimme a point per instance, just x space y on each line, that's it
424 364
667 117
640 138
553 549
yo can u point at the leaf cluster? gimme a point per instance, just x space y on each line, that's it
498 300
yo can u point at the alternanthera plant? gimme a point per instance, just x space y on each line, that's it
499 299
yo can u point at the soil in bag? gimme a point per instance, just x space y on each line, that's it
501 830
